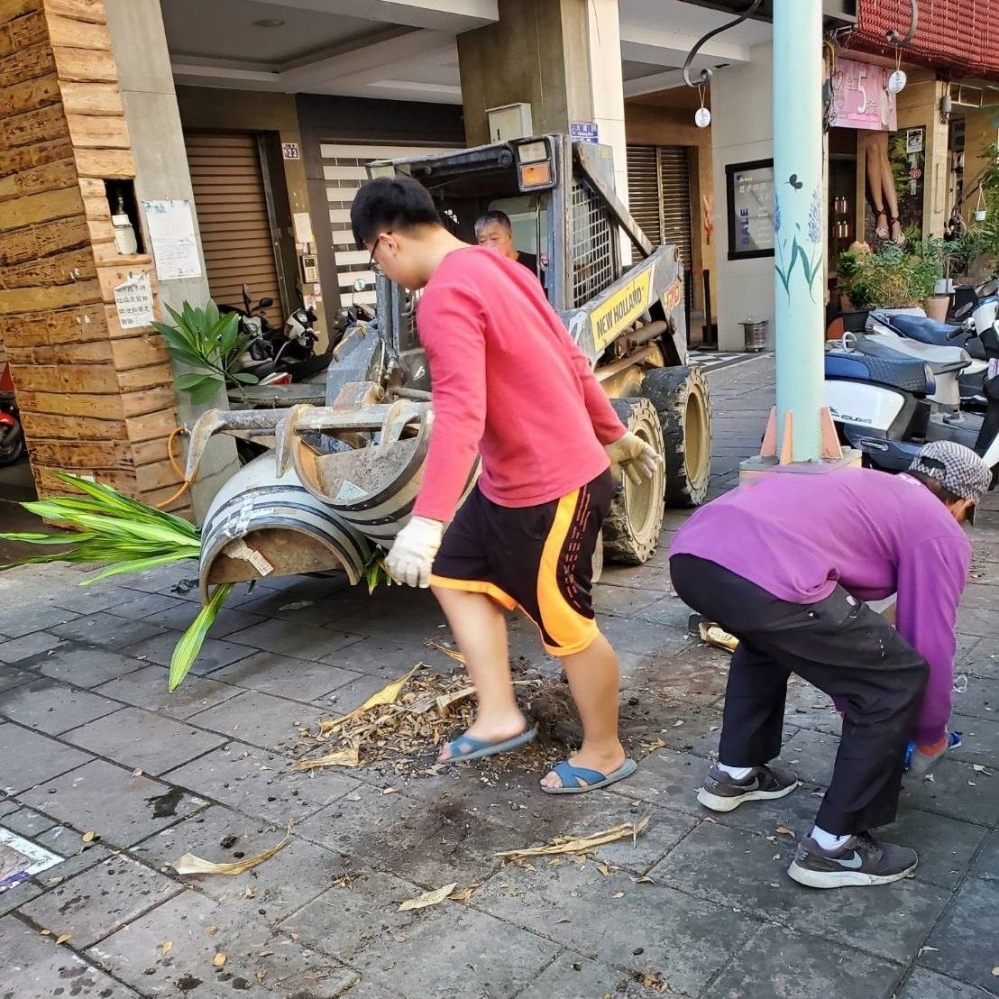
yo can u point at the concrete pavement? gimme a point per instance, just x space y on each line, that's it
99 765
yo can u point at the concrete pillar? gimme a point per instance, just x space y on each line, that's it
563 57
799 223
96 395
140 50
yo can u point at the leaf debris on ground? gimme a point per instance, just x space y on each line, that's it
428 898
403 723
190 864
583 844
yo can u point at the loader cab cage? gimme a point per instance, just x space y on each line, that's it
556 212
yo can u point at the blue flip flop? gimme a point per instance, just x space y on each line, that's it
466 747
591 779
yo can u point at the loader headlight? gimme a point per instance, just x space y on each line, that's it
535 166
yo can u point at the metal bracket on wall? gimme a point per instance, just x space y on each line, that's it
894 38
705 75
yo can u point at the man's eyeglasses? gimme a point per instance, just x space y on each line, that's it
373 264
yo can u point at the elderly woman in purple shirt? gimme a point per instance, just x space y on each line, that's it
786 566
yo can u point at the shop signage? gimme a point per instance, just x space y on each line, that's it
861 98
750 190
584 131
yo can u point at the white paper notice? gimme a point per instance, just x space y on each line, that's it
175 246
134 301
303 228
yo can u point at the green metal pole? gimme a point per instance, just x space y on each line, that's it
799 223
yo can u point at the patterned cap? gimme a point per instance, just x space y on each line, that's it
955 467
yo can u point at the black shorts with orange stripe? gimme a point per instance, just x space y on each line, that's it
537 558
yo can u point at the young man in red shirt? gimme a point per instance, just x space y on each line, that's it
508 383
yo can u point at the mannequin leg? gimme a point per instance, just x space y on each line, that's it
872 155
888 188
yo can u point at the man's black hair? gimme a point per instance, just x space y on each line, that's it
488 218
388 203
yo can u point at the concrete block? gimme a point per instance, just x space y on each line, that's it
957 790
27 823
144 739
929 985
298 641
723 865
38 758
283 676
283 884
43 969
147 688
258 783
260 719
776 962
100 901
120 808
214 653
87 667
646 928
965 948
987 865
257 964
11 677
106 631
17 650
51 707
17 622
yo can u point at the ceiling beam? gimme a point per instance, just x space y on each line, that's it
653 84
437 15
670 48
369 62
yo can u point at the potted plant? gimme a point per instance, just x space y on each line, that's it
931 274
890 278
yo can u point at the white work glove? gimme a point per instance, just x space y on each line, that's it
413 552
637 459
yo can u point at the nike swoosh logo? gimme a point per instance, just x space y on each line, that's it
853 862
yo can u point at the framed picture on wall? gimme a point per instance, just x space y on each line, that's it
750 205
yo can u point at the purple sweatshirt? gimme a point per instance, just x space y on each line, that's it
798 535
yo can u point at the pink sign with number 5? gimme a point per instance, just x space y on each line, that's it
861 98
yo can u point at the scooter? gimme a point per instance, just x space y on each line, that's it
880 406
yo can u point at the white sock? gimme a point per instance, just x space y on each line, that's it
736 773
827 840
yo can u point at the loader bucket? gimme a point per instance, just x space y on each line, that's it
262 524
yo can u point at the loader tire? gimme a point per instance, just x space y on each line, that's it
631 529
680 396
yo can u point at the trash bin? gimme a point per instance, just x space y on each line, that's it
756 334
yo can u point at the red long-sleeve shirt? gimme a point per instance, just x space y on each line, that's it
509 383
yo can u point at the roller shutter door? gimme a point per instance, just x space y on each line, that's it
235 225
344 170
659 194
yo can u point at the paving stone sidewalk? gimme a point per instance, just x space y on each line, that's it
698 906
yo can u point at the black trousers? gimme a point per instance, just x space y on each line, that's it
840 646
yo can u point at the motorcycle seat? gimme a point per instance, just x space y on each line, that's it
942 360
907 375
927 330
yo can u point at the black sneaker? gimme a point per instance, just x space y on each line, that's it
862 860
722 792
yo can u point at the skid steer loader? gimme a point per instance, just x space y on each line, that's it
359 457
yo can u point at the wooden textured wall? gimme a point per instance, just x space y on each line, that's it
94 398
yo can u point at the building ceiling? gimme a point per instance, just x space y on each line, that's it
406 49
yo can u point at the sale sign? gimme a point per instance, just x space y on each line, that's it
861 98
